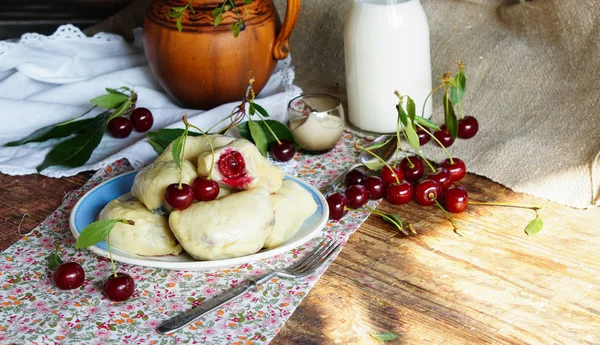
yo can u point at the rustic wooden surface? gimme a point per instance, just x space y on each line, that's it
496 285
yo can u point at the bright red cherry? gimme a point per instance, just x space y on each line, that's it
205 189
375 187
456 199
443 177
444 137
119 288
355 176
426 192
458 170
467 127
415 172
283 150
357 196
142 119
69 275
399 194
179 198
119 127
423 136
389 176
337 203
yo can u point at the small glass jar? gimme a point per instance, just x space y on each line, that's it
316 121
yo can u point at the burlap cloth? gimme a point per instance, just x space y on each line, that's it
532 70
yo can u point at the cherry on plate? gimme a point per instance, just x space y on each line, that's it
357 196
456 199
205 189
399 194
119 127
415 172
69 275
467 127
458 170
142 119
119 288
283 150
179 198
443 177
389 175
337 203
355 176
426 192
375 187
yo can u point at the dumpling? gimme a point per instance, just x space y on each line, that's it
235 225
293 205
195 146
239 165
150 183
150 235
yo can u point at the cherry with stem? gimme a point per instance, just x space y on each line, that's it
450 218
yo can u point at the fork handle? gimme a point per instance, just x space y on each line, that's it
179 321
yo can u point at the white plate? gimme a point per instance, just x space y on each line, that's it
89 206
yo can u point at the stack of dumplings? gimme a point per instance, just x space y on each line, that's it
256 208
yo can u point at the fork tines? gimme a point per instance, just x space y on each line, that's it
315 258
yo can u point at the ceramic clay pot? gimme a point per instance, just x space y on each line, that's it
204 65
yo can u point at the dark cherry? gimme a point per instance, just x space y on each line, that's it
467 127
399 194
423 137
179 198
414 173
142 119
458 170
426 192
456 199
337 203
443 177
119 288
205 189
69 275
119 127
444 137
232 165
283 150
355 176
357 196
375 187
389 176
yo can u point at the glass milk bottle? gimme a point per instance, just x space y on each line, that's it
387 48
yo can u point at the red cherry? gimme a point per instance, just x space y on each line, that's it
443 177
337 203
179 198
467 127
232 165
205 189
283 150
444 137
119 127
389 176
426 192
69 275
357 196
142 119
423 136
355 176
458 170
456 199
374 185
399 194
415 172
119 288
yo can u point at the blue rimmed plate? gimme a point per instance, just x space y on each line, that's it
89 206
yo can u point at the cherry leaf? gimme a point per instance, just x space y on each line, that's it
218 19
95 232
534 226
411 109
411 137
426 122
279 128
121 109
177 149
385 336
457 92
450 117
260 109
216 12
110 100
402 114
54 259
396 221
178 24
259 137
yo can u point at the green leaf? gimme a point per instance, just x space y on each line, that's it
534 226
260 109
385 336
174 14
247 2
95 232
177 149
411 109
178 24
259 137
178 9
457 92
76 151
402 114
452 82
235 27
54 259
159 148
411 137
114 91
54 131
110 100
380 145
426 123
450 117
121 109
218 19
251 109
216 12
163 137
281 130
396 221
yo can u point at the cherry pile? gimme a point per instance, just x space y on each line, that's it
140 119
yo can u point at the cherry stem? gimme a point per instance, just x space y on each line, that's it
182 154
112 262
269 127
398 124
447 214
240 109
212 148
505 204
381 159
386 216
429 95
439 143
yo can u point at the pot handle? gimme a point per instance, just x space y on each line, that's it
282 47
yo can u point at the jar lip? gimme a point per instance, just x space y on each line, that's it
315 95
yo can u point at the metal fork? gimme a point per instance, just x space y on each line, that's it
301 268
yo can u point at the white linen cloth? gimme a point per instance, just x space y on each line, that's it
49 79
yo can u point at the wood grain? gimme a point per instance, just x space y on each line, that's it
494 286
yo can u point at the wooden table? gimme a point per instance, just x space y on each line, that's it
496 285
